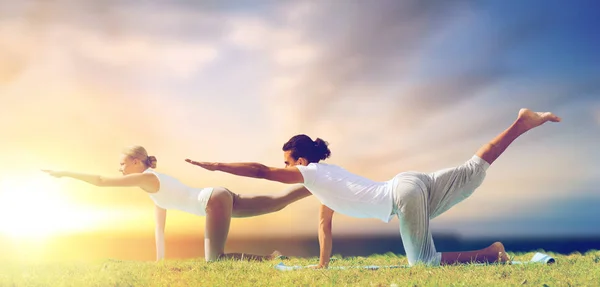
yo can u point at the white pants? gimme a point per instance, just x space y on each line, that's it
420 197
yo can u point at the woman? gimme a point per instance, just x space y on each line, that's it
414 197
218 204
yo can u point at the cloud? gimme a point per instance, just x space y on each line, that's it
117 37
144 53
362 43
282 45
398 87
413 56
369 57
252 33
18 48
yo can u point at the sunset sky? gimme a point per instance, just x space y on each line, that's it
391 85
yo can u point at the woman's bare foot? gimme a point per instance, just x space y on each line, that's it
530 119
497 253
275 255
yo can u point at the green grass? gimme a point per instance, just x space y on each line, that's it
570 270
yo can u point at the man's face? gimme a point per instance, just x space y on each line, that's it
290 161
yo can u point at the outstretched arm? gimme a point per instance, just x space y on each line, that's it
256 170
325 238
143 180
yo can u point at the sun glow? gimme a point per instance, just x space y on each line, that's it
34 207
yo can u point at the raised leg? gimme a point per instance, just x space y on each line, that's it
526 121
254 205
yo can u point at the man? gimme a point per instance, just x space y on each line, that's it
414 197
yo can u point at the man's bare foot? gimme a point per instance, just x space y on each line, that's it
498 251
530 119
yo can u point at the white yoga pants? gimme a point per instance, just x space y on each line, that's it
420 197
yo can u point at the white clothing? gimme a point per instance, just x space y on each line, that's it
420 197
348 193
173 194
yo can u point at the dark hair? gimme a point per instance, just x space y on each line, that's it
304 146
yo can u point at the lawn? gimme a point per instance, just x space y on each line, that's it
570 270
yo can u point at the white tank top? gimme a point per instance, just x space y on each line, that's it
348 193
173 194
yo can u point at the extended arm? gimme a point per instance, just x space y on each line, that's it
256 170
160 216
143 180
325 238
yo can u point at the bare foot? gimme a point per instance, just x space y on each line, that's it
498 248
530 119
275 255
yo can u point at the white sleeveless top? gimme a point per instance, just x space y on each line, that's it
173 194
348 193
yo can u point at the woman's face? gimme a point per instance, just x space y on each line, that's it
130 165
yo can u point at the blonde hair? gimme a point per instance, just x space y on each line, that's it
140 153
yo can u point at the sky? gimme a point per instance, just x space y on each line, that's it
391 85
